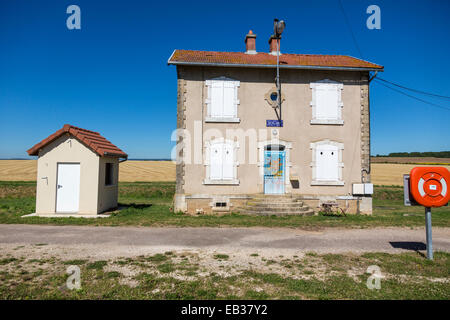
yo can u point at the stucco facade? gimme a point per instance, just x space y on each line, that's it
298 135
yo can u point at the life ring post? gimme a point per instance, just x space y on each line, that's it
428 230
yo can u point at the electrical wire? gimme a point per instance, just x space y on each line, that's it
350 28
414 90
355 148
413 97
392 83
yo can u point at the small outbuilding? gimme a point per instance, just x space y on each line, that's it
77 172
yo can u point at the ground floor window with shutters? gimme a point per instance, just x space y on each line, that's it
327 163
221 162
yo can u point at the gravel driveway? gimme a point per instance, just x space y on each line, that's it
125 241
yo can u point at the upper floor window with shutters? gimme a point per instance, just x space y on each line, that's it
326 102
222 100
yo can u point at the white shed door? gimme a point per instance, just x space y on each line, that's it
68 187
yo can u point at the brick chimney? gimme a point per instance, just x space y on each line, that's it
250 43
273 45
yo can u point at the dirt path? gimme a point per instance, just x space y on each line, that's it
111 242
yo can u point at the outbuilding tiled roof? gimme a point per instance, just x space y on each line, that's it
287 60
91 139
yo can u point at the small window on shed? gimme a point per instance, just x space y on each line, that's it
109 174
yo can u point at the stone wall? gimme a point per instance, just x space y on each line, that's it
179 199
365 127
199 206
202 206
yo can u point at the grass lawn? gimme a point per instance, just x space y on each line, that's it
184 275
149 204
33 271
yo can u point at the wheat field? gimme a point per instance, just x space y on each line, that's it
147 171
18 170
392 173
130 171
411 160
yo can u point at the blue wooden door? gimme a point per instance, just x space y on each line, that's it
274 166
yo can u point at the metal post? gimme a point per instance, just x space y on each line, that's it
428 229
278 78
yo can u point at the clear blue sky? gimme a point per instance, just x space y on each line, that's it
112 75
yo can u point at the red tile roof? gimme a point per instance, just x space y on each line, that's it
287 60
92 140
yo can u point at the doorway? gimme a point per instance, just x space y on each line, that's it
68 188
274 169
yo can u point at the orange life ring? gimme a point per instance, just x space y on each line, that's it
430 186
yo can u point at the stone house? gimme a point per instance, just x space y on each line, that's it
237 151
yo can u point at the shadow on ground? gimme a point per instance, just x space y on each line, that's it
409 245
134 205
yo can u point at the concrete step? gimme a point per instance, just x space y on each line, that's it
276 209
308 212
269 202
275 197
279 205
276 204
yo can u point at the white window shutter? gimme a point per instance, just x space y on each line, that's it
327 101
216 160
327 163
320 164
333 168
222 100
228 161
229 103
216 99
